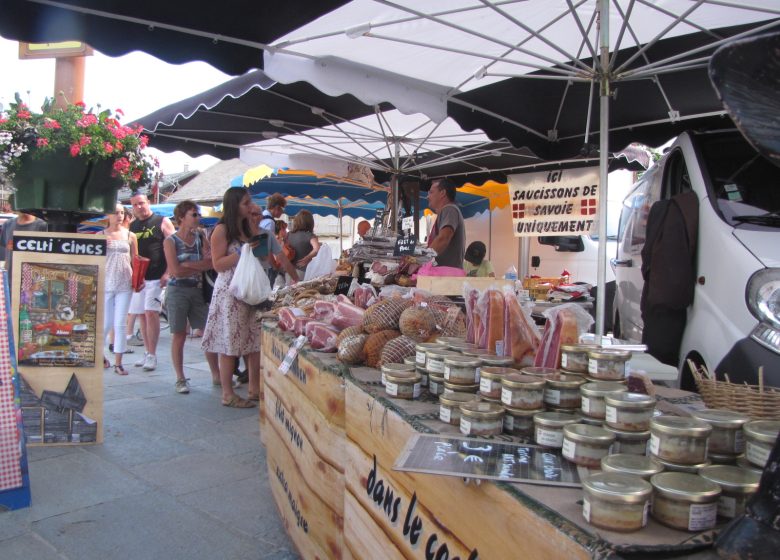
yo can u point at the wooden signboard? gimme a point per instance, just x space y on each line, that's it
57 300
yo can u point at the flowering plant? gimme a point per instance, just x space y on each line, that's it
94 136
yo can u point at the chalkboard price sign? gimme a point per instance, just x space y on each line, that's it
343 284
404 245
486 459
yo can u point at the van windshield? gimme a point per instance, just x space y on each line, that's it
744 185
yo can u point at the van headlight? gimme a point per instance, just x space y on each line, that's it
763 300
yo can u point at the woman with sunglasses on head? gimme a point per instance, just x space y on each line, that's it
122 247
232 329
187 254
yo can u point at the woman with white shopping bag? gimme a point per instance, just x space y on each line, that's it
232 329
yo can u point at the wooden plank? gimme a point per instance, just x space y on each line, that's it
323 387
315 529
326 438
453 285
507 522
363 538
414 532
330 480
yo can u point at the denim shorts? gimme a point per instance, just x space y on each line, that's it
183 304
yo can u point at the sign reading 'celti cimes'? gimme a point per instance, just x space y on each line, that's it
60 245
562 202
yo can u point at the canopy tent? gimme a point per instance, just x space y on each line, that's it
541 72
327 206
229 36
209 217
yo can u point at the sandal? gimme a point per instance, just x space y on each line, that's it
237 402
106 363
119 370
255 398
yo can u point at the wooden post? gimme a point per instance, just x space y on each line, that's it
69 80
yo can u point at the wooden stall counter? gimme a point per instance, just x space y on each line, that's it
333 437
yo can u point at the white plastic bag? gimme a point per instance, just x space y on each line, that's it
321 265
250 283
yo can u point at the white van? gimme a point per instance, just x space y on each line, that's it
733 324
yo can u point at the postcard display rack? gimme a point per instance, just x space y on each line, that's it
57 302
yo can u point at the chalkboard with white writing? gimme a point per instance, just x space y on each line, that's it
404 245
486 459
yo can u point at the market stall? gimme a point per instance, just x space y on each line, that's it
332 437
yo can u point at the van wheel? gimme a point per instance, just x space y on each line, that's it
687 381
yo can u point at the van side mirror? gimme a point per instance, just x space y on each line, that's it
564 243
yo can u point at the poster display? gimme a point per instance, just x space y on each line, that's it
562 202
14 476
57 296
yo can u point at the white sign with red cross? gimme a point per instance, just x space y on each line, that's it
560 202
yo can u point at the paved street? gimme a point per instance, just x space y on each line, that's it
178 476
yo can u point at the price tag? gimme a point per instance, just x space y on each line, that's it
404 245
292 353
407 224
343 284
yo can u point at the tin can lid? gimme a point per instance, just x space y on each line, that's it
404 377
743 463
491 372
685 487
512 411
588 434
584 348
520 381
460 387
630 400
610 354
627 463
731 478
410 361
439 353
555 419
602 388
482 410
447 340
680 426
540 371
461 361
721 418
762 430
391 369
456 399
624 435
565 381
462 345
677 467
617 487
493 360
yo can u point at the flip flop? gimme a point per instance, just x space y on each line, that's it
237 402
119 370
255 398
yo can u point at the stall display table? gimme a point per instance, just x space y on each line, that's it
332 438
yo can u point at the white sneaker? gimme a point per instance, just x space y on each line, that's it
135 340
150 362
182 386
140 361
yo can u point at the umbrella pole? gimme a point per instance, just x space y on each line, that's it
341 230
490 234
601 269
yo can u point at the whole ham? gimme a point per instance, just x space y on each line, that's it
287 316
365 295
324 310
321 336
472 319
347 315
561 328
490 308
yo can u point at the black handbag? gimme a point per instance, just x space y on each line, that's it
208 277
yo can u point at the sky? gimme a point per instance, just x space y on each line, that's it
137 83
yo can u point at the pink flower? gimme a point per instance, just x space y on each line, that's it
84 140
79 104
108 147
42 142
136 175
121 165
23 114
74 150
52 124
120 112
87 120
144 141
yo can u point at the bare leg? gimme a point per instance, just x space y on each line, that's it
177 353
142 326
213 360
227 364
151 333
253 367
131 324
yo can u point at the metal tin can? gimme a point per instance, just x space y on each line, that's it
679 440
540 371
607 363
519 422
457 388
616 502
420 350
727 437
637 465
574 357
737 486
548 428
479 418
688 469
449 406
685 501
760 436
629 411
593 397
563 391
403 385
585 445
522 391
461 370
435 384
632 443
490 380
391 369
434 359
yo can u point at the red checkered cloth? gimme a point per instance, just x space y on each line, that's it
10 413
